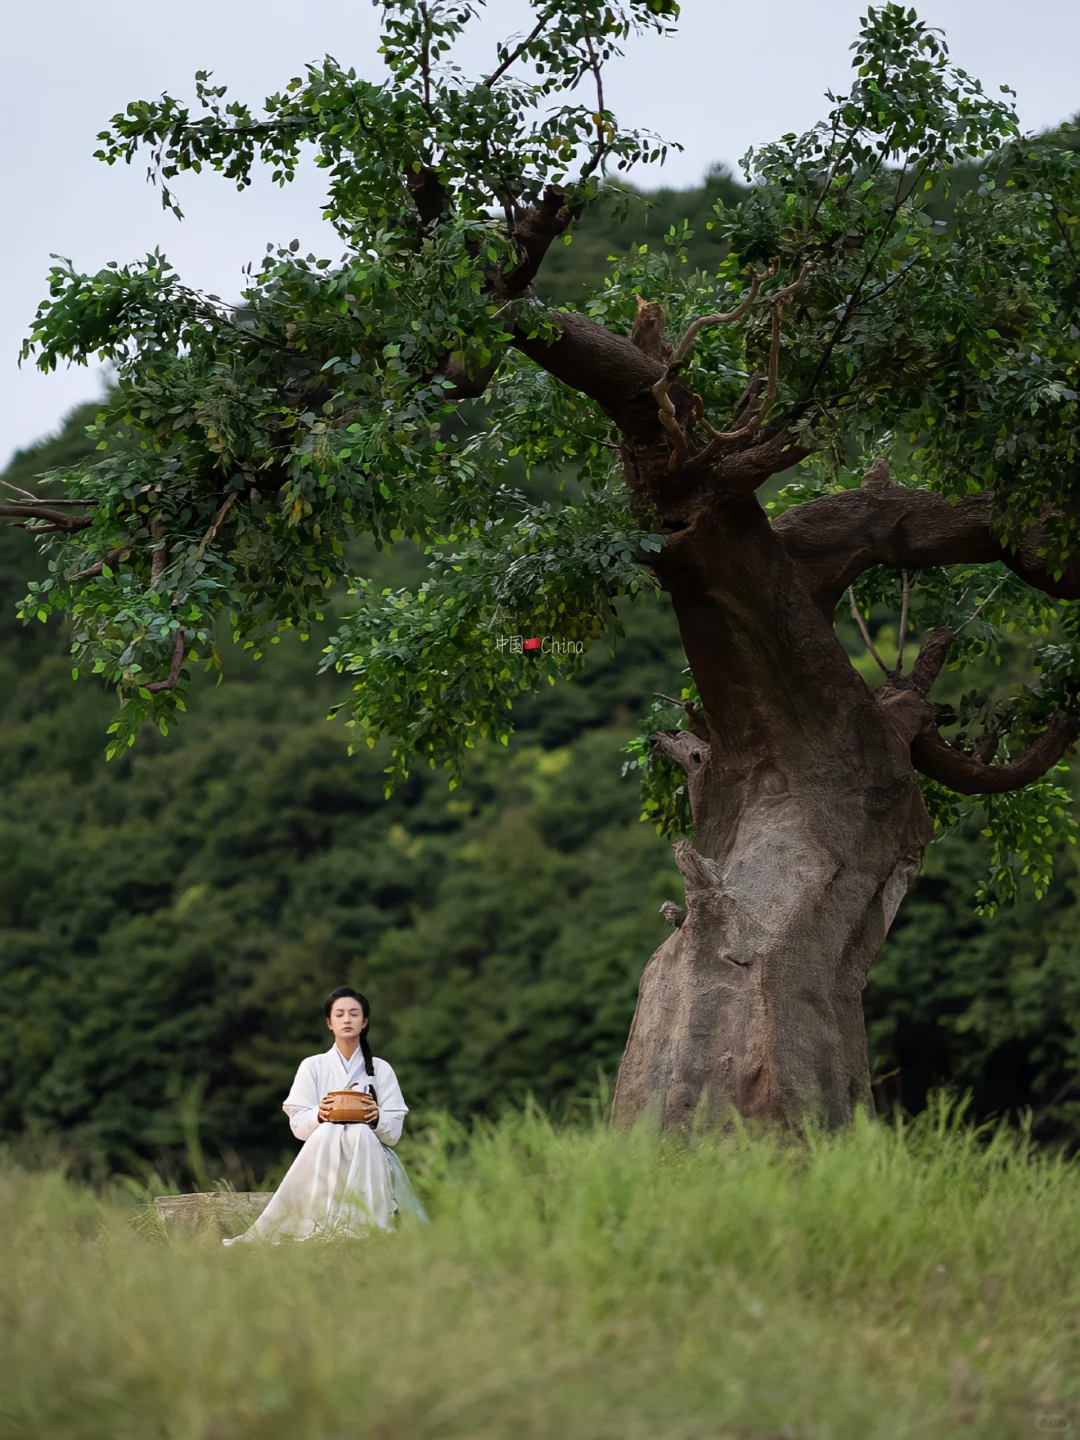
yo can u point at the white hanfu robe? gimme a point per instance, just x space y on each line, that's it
346 1178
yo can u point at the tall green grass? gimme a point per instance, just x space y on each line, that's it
894 1281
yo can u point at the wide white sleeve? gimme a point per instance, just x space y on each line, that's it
392 1107
302 1102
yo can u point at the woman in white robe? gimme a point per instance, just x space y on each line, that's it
346 1177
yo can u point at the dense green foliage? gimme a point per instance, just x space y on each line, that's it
577 1283
321 411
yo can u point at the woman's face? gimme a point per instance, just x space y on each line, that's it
346 1018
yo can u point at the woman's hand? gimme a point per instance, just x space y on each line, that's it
370 1112
325 1106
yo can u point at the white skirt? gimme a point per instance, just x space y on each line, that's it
341 1183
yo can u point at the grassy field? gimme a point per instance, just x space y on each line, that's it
915 1280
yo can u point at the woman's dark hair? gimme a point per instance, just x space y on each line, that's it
346 992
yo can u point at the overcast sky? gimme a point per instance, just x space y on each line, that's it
734 75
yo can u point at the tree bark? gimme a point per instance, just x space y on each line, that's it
809 825
755 1000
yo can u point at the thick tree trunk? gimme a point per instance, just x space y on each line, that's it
755 999
809 825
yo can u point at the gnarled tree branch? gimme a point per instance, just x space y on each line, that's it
662 388
609 368
586 356
864 631
682 350
901 639
25 497
44 510
683 746
754 404
93 571
834 539
174 669
510 56
534 231
699 872
971 774
674 914
933 652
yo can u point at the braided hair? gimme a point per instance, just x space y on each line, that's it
346 992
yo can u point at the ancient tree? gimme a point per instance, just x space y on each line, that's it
917 377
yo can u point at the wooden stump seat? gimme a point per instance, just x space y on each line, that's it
229 1211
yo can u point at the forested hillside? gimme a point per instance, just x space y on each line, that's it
170 920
